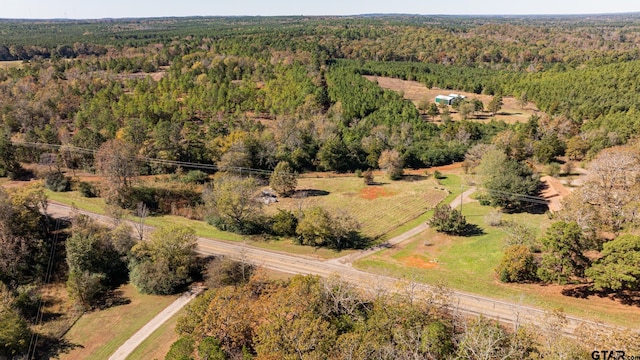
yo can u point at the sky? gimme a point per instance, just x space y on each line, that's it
96 9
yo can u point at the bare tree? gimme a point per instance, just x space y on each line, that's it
487 339
391 162
142 211
342 297
554 345
116 161
612 187
115 213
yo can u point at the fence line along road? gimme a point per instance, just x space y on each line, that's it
462 302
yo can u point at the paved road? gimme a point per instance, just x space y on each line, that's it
461 302
137 338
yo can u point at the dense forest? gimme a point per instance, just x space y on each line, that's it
194 89
280 96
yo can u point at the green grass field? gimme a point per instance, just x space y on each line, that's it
158 343
379 208
451 184
98 334
468 263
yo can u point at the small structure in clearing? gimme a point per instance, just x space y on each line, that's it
448 99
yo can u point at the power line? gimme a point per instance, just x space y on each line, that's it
177 163
40 313
521 197
213 167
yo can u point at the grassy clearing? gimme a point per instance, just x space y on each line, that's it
97 205
511 111
451 184
59 312
379 208
468 263
201 228
10 64
158 343
98 334
73 198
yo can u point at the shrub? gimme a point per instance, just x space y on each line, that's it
358 173
517 265
284 223
368 177
448 220
338 231
438 175
56 181
195 177
483 199
87 189
553 169
181 349
161 200
223 271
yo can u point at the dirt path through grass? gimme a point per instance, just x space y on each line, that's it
463 198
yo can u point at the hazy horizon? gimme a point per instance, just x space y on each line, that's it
120 9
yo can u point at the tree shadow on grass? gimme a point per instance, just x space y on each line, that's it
49 347
414 178
309 193
531 208
580 292
377 183
352 240
626 297
473 230
112 298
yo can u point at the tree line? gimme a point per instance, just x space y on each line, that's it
309 317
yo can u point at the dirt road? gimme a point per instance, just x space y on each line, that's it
460 302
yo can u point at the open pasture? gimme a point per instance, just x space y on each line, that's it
415 91
379 208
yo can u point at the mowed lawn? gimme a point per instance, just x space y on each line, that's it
468 264
378 208
158 343
98 334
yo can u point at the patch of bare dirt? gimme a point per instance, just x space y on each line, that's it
374 192
419 262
